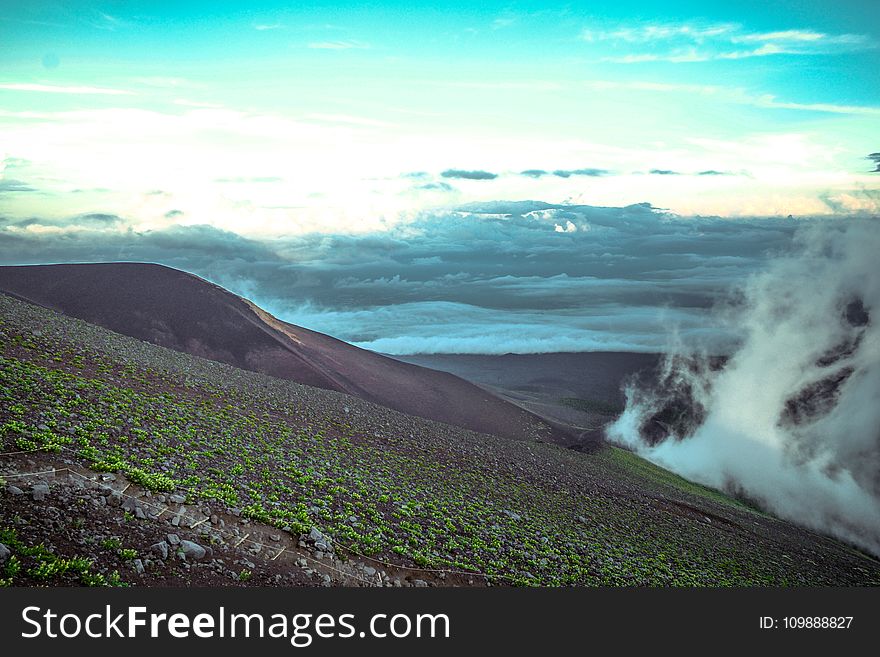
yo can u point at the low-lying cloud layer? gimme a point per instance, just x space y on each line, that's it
491 277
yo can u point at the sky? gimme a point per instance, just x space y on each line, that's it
342 163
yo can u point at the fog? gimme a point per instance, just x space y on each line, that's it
792 419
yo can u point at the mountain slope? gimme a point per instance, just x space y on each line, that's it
183 312
218 455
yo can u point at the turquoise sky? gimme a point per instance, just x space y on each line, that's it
331 117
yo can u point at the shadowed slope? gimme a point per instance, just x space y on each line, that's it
181 311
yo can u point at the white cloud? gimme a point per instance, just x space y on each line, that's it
808 36
697 43
729 94
348 119
57 89
648 33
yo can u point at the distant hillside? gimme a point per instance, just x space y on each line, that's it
581 391
181 311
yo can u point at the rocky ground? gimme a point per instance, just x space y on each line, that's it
134 537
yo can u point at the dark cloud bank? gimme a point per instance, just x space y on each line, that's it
462 174
496 277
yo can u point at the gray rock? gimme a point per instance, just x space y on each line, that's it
369 571
160 548
512 515
321 542
175 521
191 550
4 553
173 539
420 583
176 499
139 513
139 566
14 490
39 492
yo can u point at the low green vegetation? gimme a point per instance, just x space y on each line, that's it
42 565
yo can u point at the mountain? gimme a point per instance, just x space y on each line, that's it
181 311
123 462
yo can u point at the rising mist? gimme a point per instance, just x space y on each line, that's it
791 419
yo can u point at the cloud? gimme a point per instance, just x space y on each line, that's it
10 185
875 158
171 214
37 227
99 218
567 173
533 173
469 175
768 100
806 446
713 172
664 172
729 94
196 103
339 45
57 89
660 32
250 179
801 36
13 163
488 277
348 119
261 27
694 42
439 186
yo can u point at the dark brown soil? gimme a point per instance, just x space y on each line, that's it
181 311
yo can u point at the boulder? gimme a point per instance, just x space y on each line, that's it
191 550
39 492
